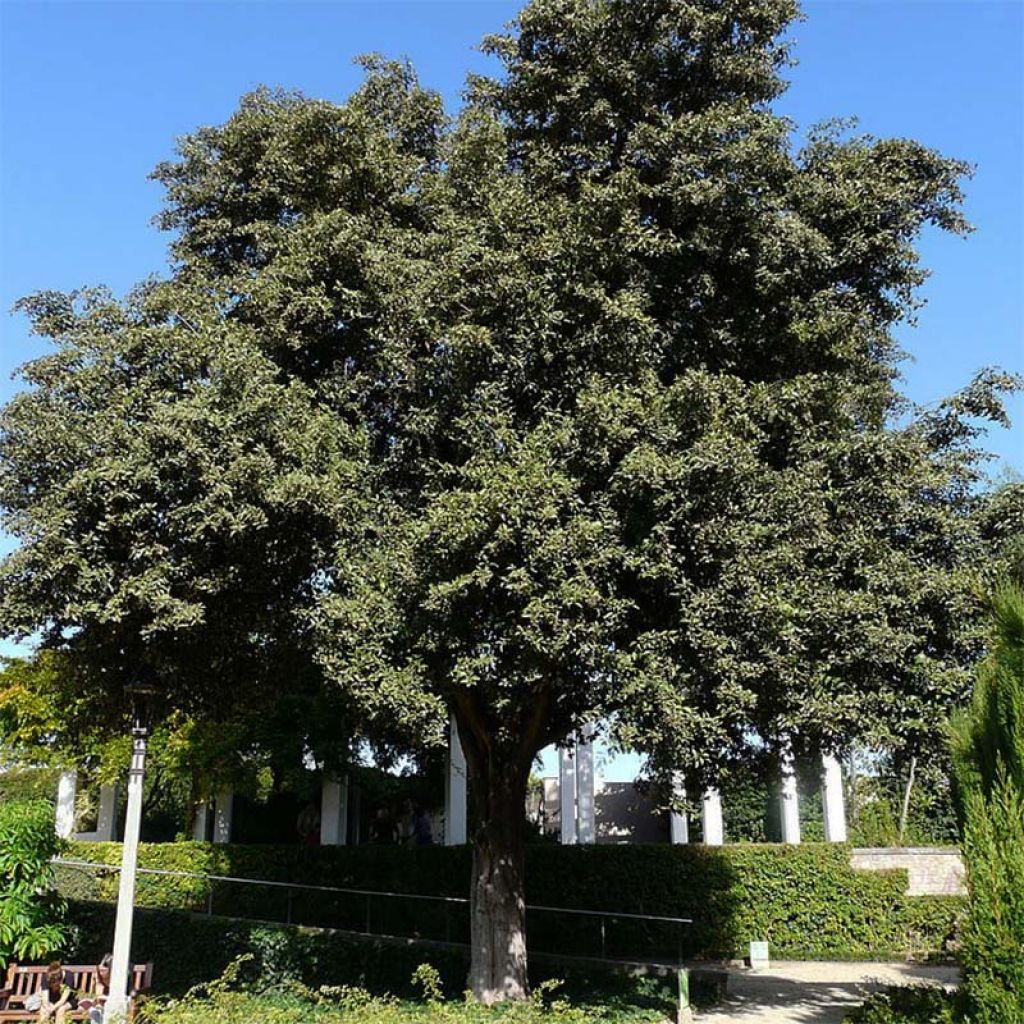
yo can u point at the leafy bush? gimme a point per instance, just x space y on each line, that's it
988 746
353 1006
806 900
189 951
31 912
906 1006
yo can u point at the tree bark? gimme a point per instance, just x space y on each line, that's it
497 785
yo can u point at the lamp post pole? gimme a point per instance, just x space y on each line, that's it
116 1010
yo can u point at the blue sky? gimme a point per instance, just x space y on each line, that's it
93 94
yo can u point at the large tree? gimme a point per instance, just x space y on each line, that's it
582 405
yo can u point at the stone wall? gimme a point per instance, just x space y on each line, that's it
932 870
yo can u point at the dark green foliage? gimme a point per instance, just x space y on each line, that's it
874 810
188 950
31 912
806 901
540 408
988 749
906 1006
20 783
578 406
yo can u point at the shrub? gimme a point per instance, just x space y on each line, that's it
806 900
31 912
189 951
352 1006
906 1006
988 746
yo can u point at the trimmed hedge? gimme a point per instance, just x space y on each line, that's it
805 900
187 950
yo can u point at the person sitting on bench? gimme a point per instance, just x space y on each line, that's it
57 996
95 1002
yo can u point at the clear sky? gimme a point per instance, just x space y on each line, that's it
93 94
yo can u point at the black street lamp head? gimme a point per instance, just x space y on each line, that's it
143 693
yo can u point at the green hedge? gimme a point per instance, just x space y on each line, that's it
187 950
805 900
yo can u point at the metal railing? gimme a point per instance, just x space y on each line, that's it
626 937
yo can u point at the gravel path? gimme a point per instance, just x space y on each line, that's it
813 993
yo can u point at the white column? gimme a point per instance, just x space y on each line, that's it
106 815
120 970
714 828
455 829
678 823
223 813
67 787
586 825
790 804
334 811
567 794
201 822
832 800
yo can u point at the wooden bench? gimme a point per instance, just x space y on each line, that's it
23 982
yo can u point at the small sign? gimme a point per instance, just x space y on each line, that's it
759 955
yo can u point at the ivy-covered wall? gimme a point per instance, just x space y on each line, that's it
805 900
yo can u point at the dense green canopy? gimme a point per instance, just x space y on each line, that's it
581 405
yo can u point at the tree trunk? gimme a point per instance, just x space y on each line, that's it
497 970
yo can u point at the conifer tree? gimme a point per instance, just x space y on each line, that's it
988 748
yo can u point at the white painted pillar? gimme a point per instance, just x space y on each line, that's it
201 822
832 801
790 803
223 814
116 1009
567 794
455 826
106 815
586 824
67 788
678 822
714 828
334 811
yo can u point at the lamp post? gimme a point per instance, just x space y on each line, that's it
141 692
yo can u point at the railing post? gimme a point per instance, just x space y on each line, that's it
685 1012
368 898
288 912
602 938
